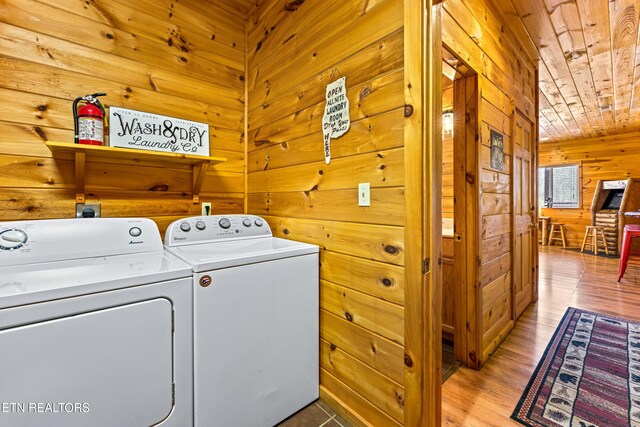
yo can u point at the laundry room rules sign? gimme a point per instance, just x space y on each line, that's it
336 120
146 131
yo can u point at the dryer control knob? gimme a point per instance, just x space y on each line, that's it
247 223
200 225
185 227
224 223
259 222
12 239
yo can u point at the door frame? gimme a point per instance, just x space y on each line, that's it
466 219
423 214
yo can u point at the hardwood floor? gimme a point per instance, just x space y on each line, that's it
567 279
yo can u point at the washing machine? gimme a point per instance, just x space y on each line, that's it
256 322
95 325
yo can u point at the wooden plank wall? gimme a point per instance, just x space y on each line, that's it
183 59
294 50
474 31
614 157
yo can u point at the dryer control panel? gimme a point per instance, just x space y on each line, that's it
28 242
201 229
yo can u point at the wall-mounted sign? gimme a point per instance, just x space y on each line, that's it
146 131
336 120
497 153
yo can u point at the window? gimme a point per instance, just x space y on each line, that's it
559 187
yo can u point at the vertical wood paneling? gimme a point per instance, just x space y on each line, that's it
294 50
506 81
447 153
150 56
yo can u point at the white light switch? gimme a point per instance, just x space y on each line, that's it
364 197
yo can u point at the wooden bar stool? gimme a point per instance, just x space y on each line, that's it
543 222
630 231
593 232
556 228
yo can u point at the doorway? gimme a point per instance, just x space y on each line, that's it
460 218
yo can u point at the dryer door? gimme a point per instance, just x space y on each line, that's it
109 367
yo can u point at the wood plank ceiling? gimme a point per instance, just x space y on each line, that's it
589 63
241 8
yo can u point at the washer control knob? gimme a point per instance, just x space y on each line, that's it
259 222
12 239
135 231
224 223
247 222
185 227
200 225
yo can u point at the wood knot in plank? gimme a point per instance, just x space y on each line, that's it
348 316
159 187
40 133
386 281
408 362
366 91
470 178
293 5
390 249
408 110
152 83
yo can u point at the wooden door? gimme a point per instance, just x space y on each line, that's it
523 214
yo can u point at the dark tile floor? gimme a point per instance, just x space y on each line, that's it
449 362
317 414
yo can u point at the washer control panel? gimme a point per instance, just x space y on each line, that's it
199 229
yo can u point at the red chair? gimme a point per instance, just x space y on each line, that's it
630 231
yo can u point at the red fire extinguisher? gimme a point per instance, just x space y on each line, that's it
89 120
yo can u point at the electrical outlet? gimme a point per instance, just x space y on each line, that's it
206 209
86 210
364 196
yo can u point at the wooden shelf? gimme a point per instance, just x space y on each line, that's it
80 153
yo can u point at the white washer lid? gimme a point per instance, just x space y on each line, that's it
31 283
231 253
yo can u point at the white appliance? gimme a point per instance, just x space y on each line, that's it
256 315
95 325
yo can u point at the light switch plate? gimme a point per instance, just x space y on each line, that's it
364 196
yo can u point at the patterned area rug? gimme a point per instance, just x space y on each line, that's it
589 375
